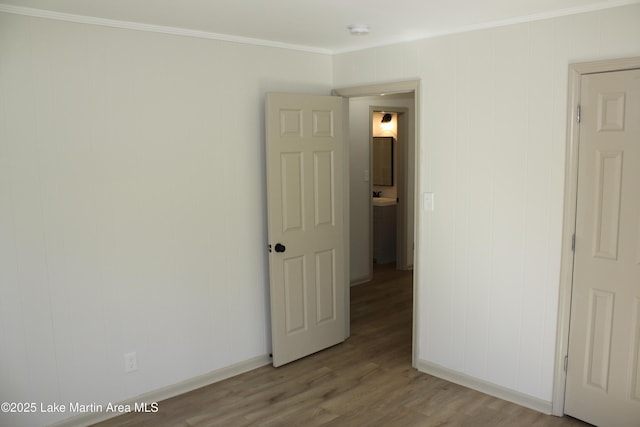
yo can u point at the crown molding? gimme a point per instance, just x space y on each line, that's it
82 19
496 24
113 23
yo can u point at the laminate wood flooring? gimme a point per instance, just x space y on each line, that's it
365 381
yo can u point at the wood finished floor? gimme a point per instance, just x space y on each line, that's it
365 381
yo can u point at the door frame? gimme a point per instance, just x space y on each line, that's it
388 88
576 71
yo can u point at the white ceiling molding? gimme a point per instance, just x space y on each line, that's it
499 23
319 39
81 19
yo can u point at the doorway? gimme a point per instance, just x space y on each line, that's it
396 204
597 376
404 96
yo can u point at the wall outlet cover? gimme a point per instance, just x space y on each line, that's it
130 362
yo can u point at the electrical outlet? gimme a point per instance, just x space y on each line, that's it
130 362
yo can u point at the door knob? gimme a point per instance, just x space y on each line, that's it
280 247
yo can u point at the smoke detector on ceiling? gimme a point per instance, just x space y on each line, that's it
358 29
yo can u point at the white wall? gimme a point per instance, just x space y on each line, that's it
360 191
132 207
492 149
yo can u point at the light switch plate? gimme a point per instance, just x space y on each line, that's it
365 175
427 202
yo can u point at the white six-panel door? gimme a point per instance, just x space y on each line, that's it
603 373
305 183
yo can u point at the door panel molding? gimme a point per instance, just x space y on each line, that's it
598 346
576 71
607 209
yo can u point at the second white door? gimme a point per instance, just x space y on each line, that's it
603 374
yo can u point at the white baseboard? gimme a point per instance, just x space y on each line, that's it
485 387
360 280
171 391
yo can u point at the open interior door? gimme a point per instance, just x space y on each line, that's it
305 192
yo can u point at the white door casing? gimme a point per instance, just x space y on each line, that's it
603 374
305 190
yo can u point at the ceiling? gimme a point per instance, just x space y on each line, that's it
313 25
